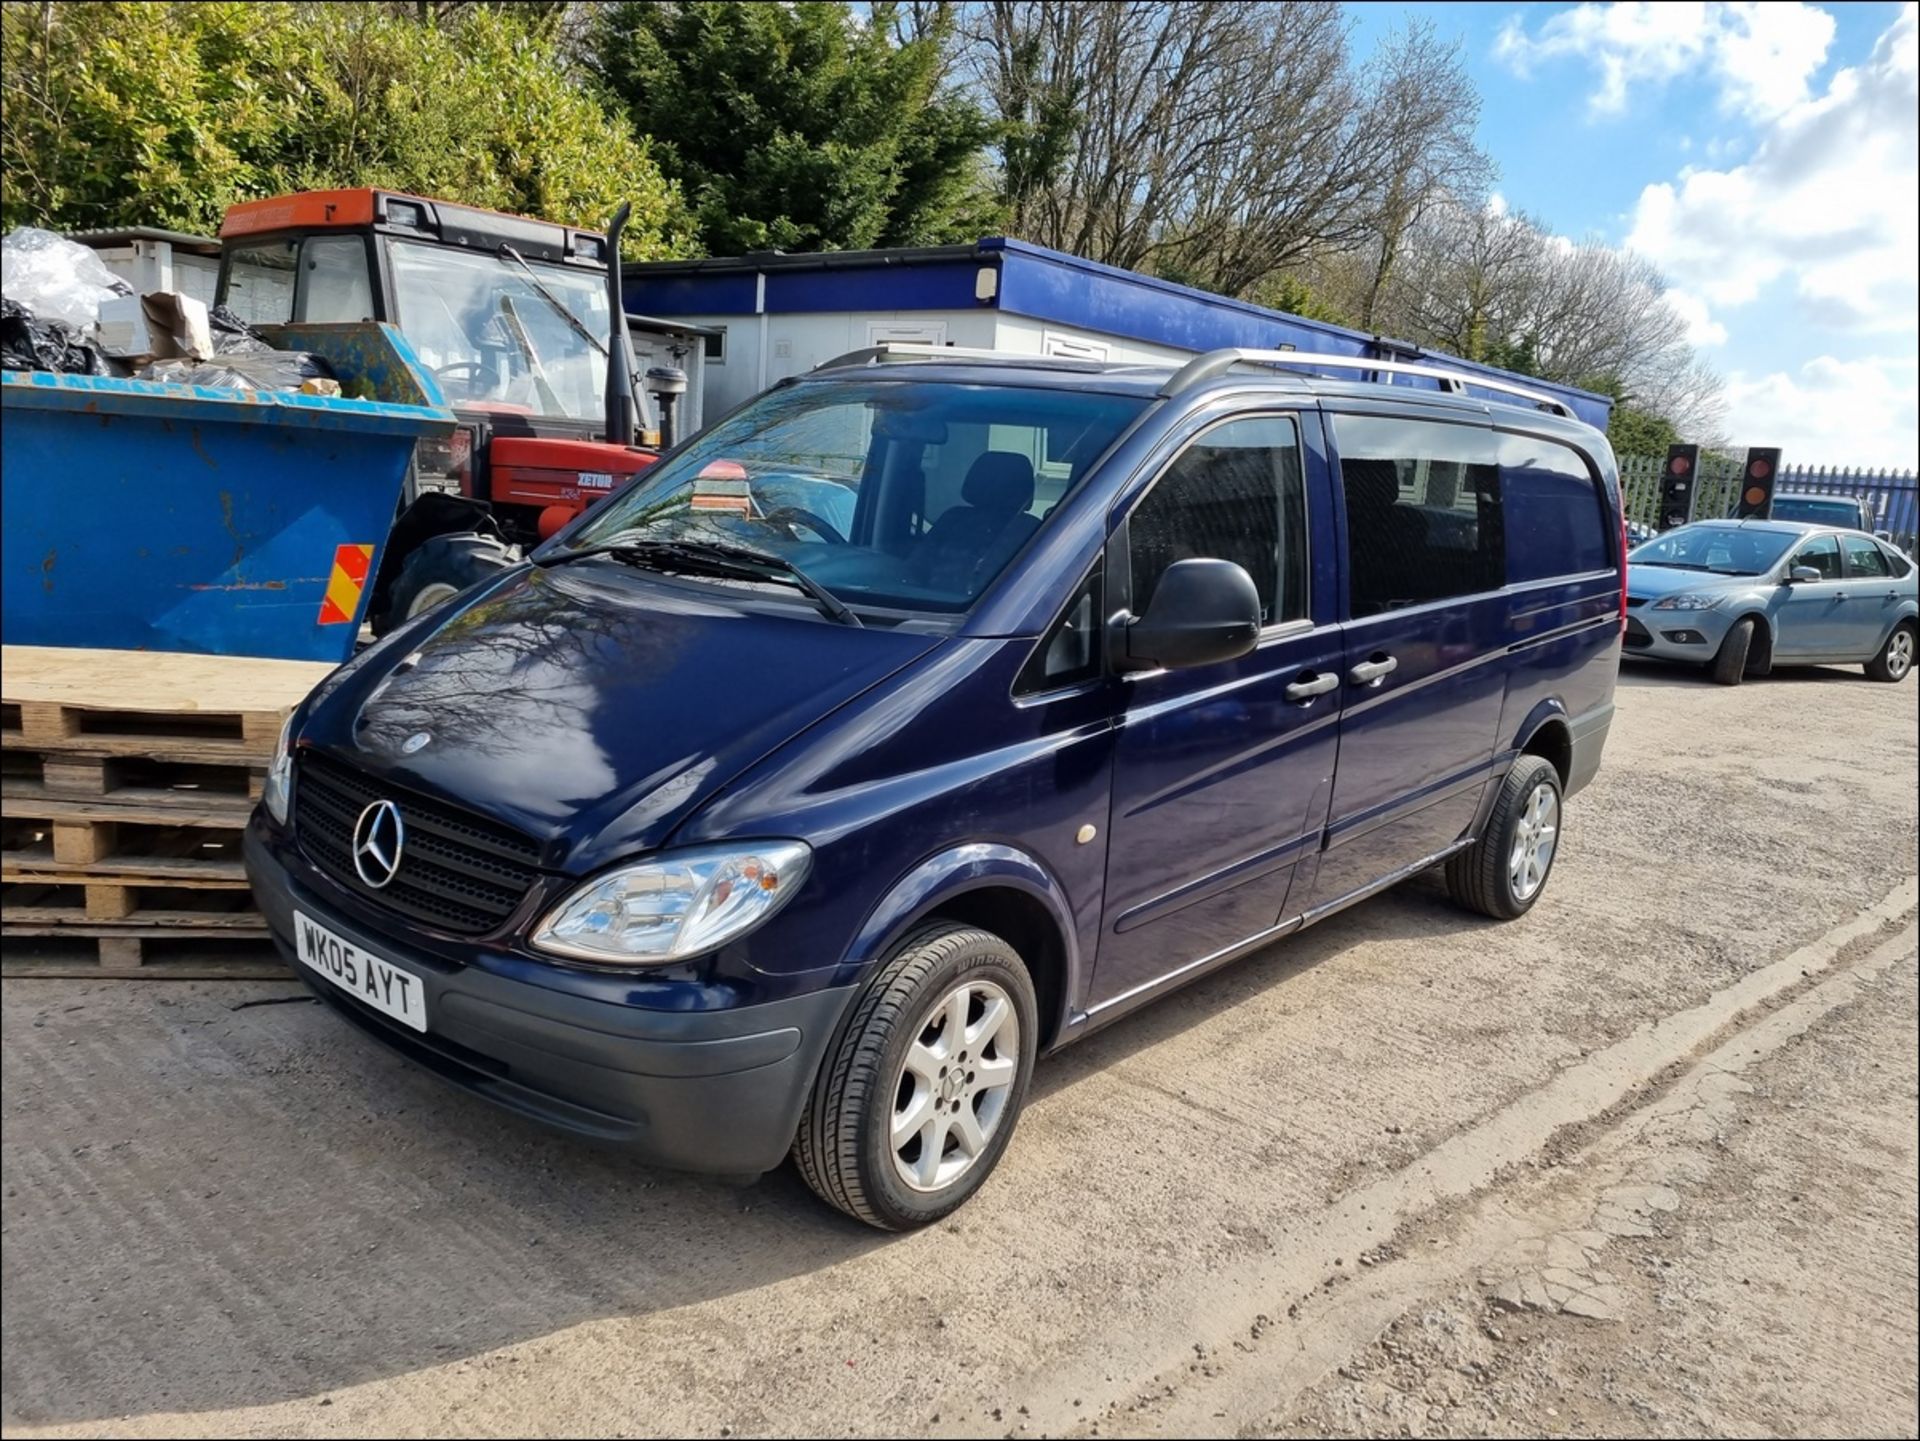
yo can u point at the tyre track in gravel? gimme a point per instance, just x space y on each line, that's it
1531 1251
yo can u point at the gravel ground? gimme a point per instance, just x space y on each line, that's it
248 1221
1756 1261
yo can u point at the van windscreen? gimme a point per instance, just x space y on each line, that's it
890 493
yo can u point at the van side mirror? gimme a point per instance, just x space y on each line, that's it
1202 611
1802 575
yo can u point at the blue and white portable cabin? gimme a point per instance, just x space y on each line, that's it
779 315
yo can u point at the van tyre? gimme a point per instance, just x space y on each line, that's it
1505 871
918 1096
1731 663
1897 655
443 567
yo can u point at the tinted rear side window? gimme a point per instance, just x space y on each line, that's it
1423 511
1555 521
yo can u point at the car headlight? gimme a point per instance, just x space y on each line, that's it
1688 602
278 790
676 904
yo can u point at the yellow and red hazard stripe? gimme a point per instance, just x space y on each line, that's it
344 587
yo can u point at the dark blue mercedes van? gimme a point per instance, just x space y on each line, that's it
928 713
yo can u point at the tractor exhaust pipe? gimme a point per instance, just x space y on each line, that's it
621 419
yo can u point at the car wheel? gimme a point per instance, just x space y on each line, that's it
1896 657
916 1101
1731 663
1503 873
443 567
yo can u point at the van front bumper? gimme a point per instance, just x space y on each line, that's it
697 1090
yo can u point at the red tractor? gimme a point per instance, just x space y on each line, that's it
519 320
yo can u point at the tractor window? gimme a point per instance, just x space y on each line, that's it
493 340
260 282
334 271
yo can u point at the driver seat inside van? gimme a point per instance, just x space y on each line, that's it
991 522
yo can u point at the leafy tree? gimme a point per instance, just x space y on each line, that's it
1637 432
804 126
1519 353
1296 297
1632 429
134 114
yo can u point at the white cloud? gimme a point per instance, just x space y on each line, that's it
1760 56
1830 203
1702 328
1858 413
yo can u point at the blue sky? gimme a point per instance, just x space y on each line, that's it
1762 155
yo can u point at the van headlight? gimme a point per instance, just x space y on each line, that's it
676 904
278 790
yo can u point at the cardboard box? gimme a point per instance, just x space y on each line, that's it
162 326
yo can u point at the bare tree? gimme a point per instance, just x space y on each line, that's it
1215 141
1466 276
1427 106
1480 282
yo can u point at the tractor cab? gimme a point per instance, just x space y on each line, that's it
516 320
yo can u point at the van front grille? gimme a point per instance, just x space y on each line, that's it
457 872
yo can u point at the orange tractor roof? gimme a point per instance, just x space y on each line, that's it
319 209
308 209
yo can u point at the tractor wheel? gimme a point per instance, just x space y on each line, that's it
443 567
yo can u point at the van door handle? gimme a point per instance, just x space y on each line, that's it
1311 685
1374 670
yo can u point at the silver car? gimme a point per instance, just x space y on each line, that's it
1742 596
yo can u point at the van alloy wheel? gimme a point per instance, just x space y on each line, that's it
1533 843
1505 870
952 1090
917 1098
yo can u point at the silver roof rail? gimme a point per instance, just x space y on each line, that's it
924 350
1218 362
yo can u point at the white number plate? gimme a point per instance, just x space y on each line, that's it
380 984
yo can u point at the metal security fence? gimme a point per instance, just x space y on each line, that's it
1894 495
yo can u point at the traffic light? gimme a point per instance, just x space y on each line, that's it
1676 485
1756 483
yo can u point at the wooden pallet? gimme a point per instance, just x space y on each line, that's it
126 779
95 927
48 839
31 773
116 702
37 907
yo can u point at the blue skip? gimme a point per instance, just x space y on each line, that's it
149 516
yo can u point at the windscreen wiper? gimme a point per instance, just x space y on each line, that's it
548 296
715 558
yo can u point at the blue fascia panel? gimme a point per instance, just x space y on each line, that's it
926 286
677 296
